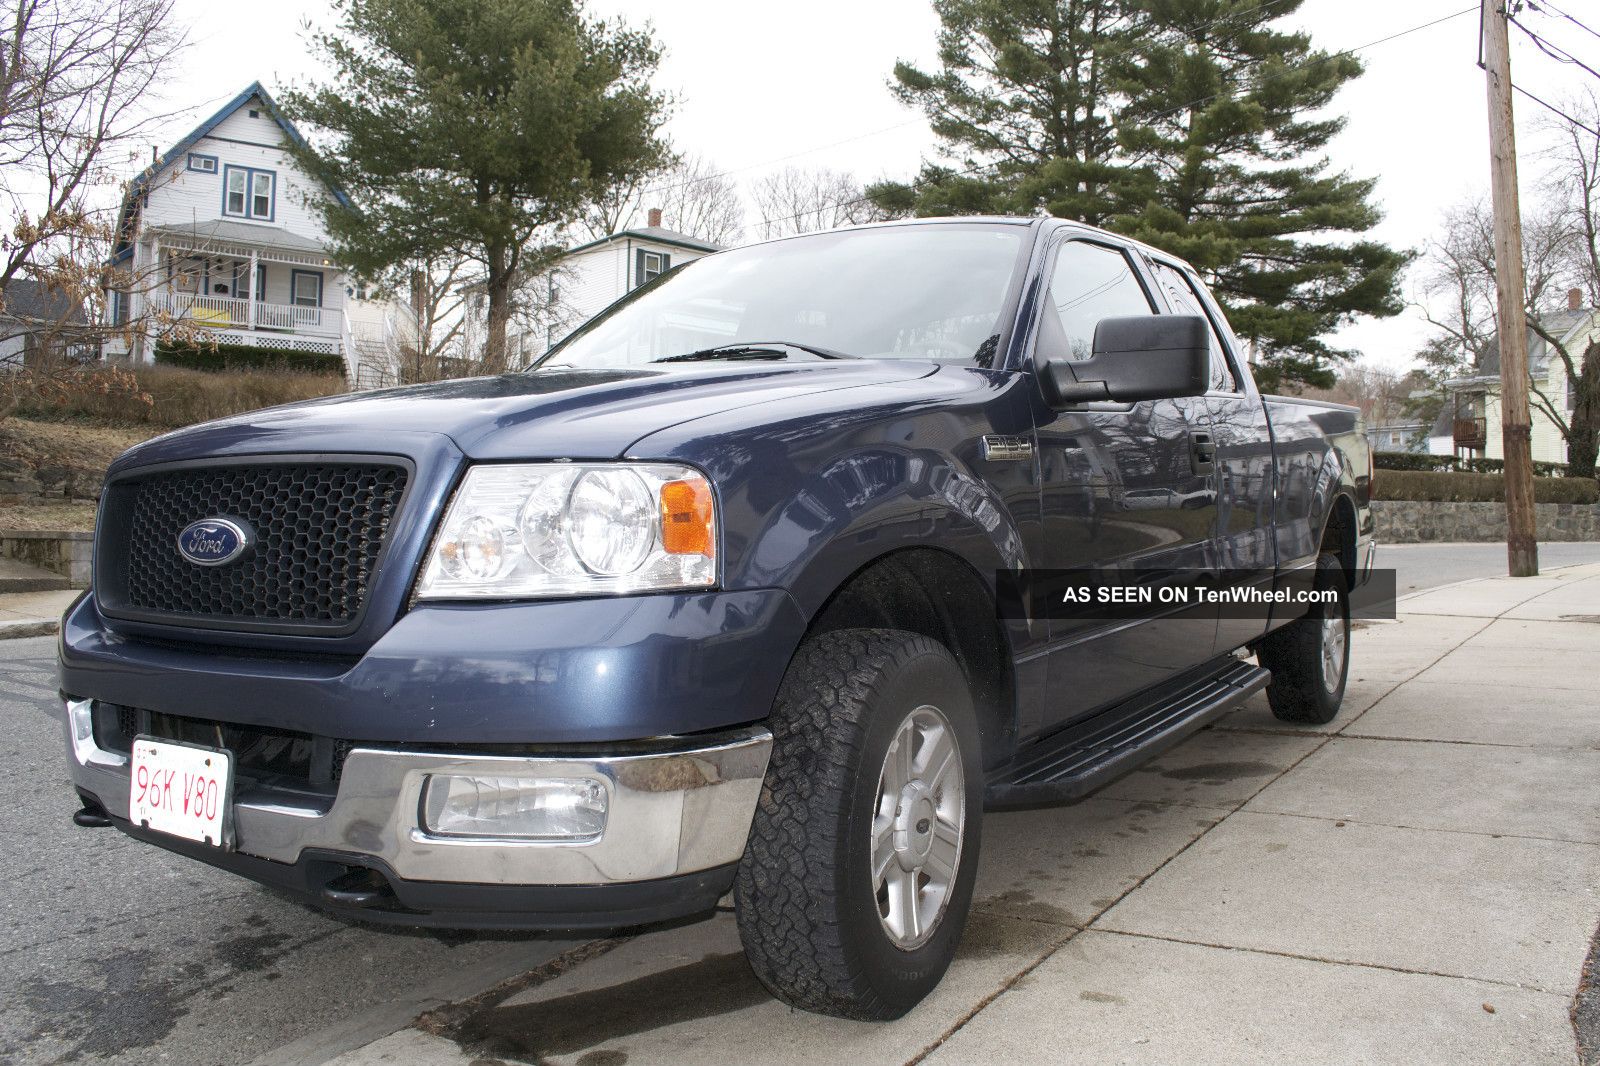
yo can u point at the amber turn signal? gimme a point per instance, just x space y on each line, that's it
688 521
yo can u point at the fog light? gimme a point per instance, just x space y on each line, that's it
522 808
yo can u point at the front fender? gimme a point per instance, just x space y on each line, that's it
809 496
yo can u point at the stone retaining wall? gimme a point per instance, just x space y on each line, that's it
1415 521
68 553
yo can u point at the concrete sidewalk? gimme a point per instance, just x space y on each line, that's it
34 614
1416 883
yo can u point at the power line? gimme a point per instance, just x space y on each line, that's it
1212 24
1544 5
971 171
1553 108
1554 51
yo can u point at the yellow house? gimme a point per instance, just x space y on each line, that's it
1474 406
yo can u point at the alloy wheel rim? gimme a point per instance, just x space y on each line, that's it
917 827
1334 636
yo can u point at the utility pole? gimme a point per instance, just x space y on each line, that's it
1522 550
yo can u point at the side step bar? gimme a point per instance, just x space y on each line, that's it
1073 762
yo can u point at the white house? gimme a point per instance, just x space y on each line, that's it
589 278
1470 423
219 233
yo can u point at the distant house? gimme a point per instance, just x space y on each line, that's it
586 280
36 320
1470 421
1398 437
219 233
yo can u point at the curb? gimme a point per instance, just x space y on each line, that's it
16 630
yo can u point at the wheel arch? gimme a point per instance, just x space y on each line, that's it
1340 533
937 594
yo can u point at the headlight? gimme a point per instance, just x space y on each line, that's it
574 529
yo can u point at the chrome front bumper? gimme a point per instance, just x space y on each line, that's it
670 813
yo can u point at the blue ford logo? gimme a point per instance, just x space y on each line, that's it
214 541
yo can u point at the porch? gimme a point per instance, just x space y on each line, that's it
248 285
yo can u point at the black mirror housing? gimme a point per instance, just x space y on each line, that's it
1145 357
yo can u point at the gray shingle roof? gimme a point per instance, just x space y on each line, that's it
224 231
34 301
1559 323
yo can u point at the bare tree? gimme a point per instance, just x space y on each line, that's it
1574 183
796 200
77 78
1380 393
1458 290
694 197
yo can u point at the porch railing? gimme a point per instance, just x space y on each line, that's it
232 312
1470 432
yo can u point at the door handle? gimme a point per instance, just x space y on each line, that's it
1202 454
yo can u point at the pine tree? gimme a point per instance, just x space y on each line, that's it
1021 105
463 128
1223 117
1189 124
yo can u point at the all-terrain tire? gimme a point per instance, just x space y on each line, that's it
1307 687
808 908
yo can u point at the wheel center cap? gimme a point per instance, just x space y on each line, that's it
913 825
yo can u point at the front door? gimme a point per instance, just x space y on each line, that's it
1120 489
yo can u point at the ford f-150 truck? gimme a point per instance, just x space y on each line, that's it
708 600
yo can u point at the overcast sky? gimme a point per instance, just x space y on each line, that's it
763 86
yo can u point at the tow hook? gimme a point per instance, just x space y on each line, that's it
91 817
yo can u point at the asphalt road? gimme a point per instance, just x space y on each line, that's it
111 949
1424 566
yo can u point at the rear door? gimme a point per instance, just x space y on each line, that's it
1119 489
1243 443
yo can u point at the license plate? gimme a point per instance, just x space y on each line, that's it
181 789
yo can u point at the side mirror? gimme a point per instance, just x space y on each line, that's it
1147 357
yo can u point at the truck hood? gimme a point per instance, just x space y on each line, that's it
547 414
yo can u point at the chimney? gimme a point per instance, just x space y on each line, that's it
655 220
1574 299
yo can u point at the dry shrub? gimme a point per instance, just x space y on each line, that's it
157 396
1452 487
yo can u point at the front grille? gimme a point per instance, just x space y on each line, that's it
320 529
272 758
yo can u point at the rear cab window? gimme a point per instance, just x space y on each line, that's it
1185 299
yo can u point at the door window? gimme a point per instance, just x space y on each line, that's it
1089 282
1185 300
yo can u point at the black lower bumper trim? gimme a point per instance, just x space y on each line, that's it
449 905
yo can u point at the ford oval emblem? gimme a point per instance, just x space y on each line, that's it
214 541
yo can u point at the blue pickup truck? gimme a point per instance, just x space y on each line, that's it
707 600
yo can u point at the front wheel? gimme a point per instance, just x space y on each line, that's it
855 885
1310 657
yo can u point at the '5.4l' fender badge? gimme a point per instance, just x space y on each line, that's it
214 541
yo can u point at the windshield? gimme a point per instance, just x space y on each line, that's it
901 292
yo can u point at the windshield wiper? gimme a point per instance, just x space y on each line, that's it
753 350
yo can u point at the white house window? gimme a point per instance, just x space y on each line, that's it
260 195
306 288
204 164
650 265
247 193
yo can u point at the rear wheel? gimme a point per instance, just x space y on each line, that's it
1310 657
855 885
